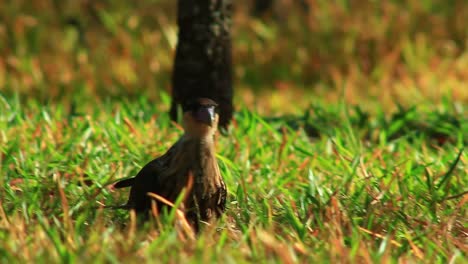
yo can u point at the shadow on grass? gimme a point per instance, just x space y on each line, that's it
437 128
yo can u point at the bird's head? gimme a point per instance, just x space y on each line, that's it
200 117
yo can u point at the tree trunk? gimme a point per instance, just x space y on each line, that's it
262 6
203 61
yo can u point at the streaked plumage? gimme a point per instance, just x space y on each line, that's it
193 153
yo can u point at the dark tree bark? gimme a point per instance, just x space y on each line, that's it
261 6
203 61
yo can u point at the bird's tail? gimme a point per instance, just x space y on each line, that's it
124 183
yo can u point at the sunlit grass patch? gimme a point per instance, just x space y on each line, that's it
354 189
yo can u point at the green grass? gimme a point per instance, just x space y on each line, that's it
351 190
348 145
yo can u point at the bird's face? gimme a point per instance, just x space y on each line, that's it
200 117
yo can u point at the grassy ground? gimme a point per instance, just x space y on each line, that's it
347 146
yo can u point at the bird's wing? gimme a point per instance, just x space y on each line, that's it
151 178
222 195
151 168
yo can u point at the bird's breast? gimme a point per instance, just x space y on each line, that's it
196 157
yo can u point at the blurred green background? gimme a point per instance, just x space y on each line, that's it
385 51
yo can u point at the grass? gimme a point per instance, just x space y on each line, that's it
345 189
348 145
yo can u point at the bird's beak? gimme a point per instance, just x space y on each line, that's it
206 115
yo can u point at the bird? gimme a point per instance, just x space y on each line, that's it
193 154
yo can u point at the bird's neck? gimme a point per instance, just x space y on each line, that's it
201 151
202 141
